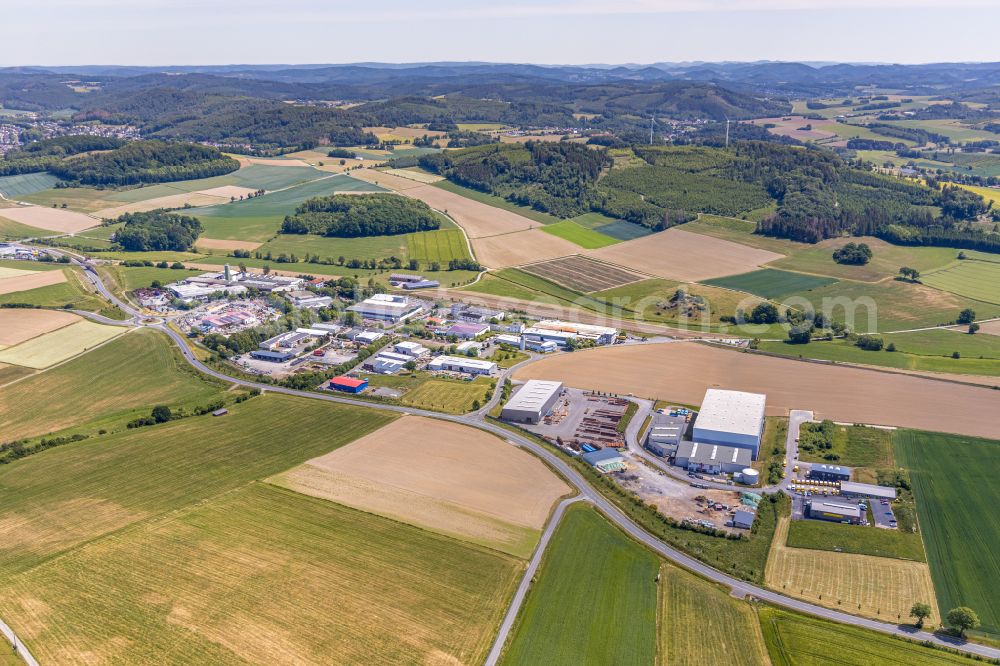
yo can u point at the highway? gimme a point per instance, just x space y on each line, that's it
557 462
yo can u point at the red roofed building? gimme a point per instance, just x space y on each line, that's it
348 384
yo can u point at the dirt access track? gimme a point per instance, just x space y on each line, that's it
51 219
441 476
684 256
682 371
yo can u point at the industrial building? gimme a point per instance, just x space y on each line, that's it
475 315
540 346
823 472
605 460
711 458
469 366
532 401
468 331
834 511
387 307
731 418
332 329
348 384
422 284
368 337
202 286
469 346
412 349
852 489
273 356
561 332
665 433
302 298
743 518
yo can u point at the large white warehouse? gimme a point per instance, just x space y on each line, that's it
731 418
532 401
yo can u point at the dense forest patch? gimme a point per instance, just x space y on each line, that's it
352 216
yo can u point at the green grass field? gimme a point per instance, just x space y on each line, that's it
14 187
609 226
924 351
103 389
588 239
367 247
441 246
954 481
497 202
857 446
742 232
700 623
871 540
770 283
73 293
123 278
886 260
801 640
251 576
450 396
594 602
973 279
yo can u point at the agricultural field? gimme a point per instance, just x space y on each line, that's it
770 283
516 283
215 602
522 247
979 280
13 280
588 239
437 246
120 279
956 497
801 640
683 371
51 287
609 226
700 623
953 129
51 219
594 602
329 248
439 476
10 230
494 201
870 540
59 345
856 446
991 194
103 388
741 231
448 396
877 587
680 255
920 351
581 274
418 175
19 325
12 373
209 197
15 187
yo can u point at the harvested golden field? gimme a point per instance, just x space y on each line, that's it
685 256
683 371
6 272
168 202
53 219
217 244
59 345
18 325
26 280
384 133
419 176
990 327
440 476
276 162
878 587
384 179
520 248
794 127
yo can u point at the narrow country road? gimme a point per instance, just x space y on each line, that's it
739 588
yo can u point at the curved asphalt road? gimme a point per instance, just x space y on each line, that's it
739 588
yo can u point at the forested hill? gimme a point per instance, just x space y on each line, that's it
145 162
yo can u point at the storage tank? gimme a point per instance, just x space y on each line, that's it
750 476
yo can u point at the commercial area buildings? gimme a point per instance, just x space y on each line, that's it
665 433
387 307
412 349
348 384
605 460
562 332
838 512
302 298
712 458
823 472
731 418
532 401
852 489
469 366
200 287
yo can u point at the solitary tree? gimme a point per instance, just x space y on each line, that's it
162 414
966 316
962 618
921 612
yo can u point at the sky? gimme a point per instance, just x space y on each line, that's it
212 32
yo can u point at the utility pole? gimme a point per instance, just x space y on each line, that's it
727 131
651 129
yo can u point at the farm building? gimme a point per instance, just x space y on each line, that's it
835 511
731 418
665 433
348 384
852 489
387 307
532 401
469 366
743 518
412 349
561 332
822 472
711 458
605 460
468 331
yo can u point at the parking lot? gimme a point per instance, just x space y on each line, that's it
883 515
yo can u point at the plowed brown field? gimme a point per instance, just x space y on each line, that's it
683 371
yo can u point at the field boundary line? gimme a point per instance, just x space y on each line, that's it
19 647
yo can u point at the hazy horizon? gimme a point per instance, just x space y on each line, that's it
257 32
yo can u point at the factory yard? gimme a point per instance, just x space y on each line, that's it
878 587
581 274
51 219
683 371
684 256
439 476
